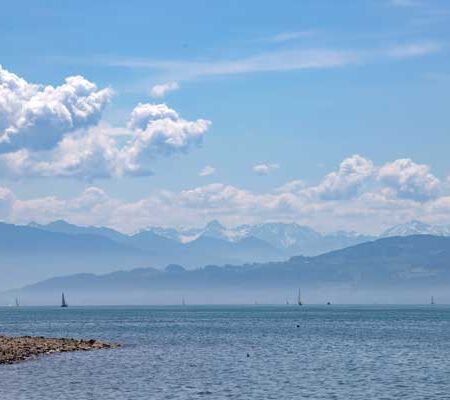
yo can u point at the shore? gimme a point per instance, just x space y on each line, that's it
15 349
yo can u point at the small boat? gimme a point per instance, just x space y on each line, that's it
63 301
299 299
432 300
287 302
17 302
328 303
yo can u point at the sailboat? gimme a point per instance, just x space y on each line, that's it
17 302
299 300
63 302
432 300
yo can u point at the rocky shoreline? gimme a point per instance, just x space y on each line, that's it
15 349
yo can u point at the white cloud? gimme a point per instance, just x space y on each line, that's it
103 152
143 114
46 131
37 117
295 186
265 169
414 50
277 60
208 170
409 180
162 89
288 36
159 130
358 196
346 182
286 60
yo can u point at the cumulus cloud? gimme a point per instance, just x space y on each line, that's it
265 169
47 131
37 117
409 180
160 130
207 171
162 89
92 154
358 195
346 182
295 186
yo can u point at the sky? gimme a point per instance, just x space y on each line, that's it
131 114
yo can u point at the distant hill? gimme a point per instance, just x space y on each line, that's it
61 226
28 254
415 264
35 252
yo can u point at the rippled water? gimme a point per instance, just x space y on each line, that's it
337 352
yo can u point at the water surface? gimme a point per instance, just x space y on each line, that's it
200 352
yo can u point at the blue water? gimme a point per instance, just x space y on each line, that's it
337 352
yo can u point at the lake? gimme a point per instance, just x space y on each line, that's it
235 352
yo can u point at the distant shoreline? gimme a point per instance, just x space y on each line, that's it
21 348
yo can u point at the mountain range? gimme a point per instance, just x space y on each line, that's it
297 239
291 238
35 252
410 268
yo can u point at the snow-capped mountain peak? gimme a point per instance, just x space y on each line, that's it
415 227
291 238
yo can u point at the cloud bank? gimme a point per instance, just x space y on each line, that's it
358 195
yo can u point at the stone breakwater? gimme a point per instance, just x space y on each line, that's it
15 349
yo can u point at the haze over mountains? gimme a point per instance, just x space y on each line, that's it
31 253
291 238
395 269
36 252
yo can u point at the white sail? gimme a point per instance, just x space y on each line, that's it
63 301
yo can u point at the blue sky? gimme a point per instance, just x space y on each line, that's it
288 91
